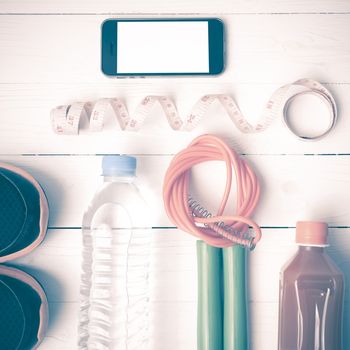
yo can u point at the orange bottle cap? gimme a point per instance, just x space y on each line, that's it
311 233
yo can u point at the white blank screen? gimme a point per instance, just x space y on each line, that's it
162 47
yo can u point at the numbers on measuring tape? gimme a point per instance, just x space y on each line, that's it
67 119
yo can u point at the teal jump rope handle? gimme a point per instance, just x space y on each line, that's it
235 299
210 309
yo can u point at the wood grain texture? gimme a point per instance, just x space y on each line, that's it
173 264
66 49
49 53
293 187
173 6
25 113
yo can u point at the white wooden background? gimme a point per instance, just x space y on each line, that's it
49 54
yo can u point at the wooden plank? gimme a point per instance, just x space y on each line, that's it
293 187
26 124
66 49
172 6
62 334
44 65
173 264
173 276
264 326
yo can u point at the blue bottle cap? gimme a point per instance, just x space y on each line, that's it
118 166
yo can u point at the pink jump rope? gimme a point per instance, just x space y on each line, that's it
222 320
178 203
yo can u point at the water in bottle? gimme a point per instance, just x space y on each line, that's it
116 241
311 294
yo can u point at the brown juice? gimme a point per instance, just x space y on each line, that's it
311 295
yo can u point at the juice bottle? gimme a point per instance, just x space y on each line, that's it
311 294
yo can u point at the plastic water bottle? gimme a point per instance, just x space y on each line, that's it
311 294
114 306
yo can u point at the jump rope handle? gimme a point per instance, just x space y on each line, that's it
222 300
235 298
210 306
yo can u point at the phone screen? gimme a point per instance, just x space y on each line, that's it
162 47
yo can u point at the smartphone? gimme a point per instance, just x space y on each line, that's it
143 47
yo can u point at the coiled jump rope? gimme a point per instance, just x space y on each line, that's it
222 310
191 217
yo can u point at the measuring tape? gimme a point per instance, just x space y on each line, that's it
66 119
